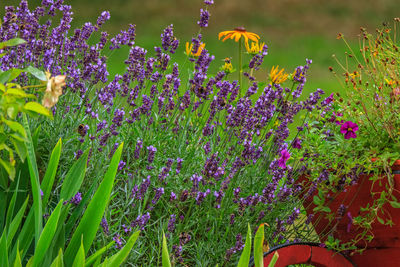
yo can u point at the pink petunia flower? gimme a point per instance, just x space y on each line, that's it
349 129
284 157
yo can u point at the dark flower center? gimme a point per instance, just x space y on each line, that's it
240 29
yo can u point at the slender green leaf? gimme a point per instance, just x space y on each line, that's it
118 258
36 72
258 247
34 175
35 136
48 179
47 235
17 262
74 178
11 206
165 255
245 257
14 225
80 256
91 218
97 254
26 234
3 250
274 259
58 261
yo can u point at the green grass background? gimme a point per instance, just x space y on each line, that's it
293 29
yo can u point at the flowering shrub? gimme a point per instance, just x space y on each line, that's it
357 136
201 161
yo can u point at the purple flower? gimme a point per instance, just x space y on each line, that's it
152 151
76 199
204 17
350 222
171 223
284 157
349 129
296 143
118 241
104 225
208 2
178 165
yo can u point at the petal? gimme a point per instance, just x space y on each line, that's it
223 33
226 37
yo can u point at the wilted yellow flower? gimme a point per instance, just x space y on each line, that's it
189 49
53 89
277 76
237 33
227 67
255 47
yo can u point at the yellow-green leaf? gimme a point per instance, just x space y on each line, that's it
15 126
38 108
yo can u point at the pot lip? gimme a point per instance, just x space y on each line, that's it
395 166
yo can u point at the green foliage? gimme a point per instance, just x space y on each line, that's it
165 255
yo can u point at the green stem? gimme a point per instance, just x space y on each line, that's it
240 68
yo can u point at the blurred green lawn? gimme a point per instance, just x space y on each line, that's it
294 30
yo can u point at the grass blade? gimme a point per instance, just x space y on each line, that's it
17 262
97 254
165 256
91 219
34 175
48 179
47 235
274 259
245 257
80 256
258 247
15 223
3 250
59 260
119 258
74 178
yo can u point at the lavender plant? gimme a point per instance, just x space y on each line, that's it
201 162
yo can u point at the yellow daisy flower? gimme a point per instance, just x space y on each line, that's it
255 47
189 49
277 76
237 33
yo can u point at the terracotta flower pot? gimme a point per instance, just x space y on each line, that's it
384 249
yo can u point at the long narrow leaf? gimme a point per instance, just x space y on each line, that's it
48 179
80 256
26 235
258 247
14 225
47 235
274 259
165 255
74 178
10 211
17 262
58 261
92 217
34 174
3 250
97 254
119 258
245 257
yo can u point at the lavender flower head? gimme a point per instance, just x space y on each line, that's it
152 151
76 199
204 17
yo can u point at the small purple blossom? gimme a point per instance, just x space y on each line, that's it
76 199
204 17
171 223
104 225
